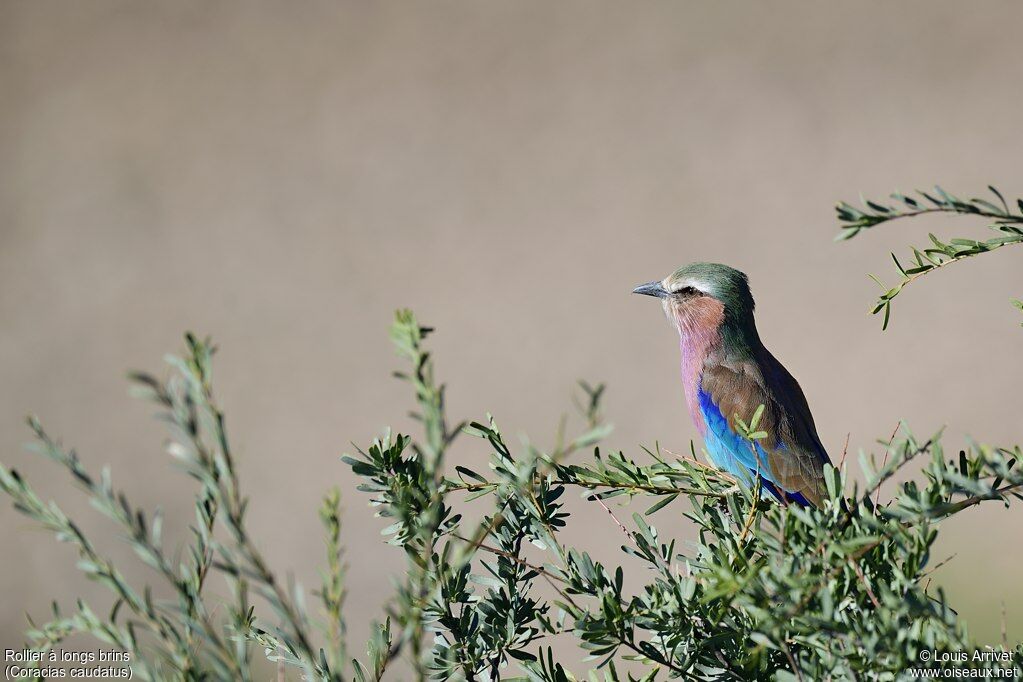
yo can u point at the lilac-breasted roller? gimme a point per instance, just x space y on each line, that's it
727 373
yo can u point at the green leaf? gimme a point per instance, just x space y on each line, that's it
464 471
660 504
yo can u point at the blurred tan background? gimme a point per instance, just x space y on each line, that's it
283 175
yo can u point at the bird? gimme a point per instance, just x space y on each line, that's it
728 373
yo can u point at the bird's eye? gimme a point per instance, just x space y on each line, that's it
688 291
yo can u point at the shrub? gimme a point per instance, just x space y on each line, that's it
765 591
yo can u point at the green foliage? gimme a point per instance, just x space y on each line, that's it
1004 219
193 635
767 589
763 591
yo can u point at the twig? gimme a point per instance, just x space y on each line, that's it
845 449
1005 637
508 555
625 530
703 465
752 515
797 671
977 499
885 476
863 579
909 279
938 565
590 485
887 450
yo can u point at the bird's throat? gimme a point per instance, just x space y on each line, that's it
698 322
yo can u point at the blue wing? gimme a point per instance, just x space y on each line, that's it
734 454
788 463
729 450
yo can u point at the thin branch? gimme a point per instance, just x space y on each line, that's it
796 670
590 485
884 463
863 579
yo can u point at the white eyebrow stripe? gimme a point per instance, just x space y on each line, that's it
679 286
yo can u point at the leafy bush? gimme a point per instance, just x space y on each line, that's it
766 591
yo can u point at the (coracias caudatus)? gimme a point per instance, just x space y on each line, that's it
727 373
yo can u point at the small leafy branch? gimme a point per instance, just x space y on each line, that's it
1005 220
184 638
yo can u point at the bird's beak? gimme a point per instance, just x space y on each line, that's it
651 289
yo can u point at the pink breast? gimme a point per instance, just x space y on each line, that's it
697 321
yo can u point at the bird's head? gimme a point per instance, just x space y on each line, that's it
704 295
